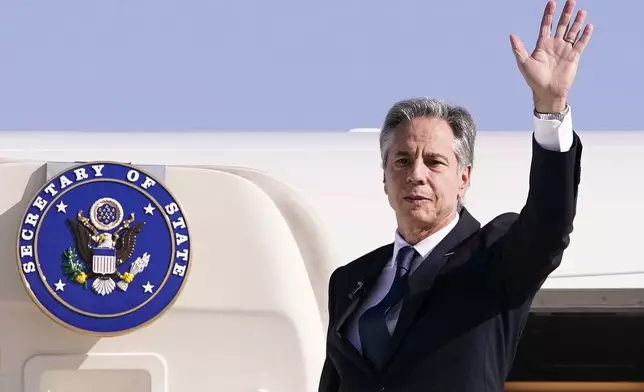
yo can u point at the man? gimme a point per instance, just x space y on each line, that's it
443 307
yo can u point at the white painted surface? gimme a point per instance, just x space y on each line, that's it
339 175
246 319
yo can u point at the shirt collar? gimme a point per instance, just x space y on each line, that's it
424 247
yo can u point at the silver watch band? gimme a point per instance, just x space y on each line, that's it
552 116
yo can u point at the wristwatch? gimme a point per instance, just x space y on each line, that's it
552 116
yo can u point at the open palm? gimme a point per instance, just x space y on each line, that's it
551 68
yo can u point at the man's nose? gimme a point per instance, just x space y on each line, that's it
418 173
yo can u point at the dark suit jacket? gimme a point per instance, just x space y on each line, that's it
459 331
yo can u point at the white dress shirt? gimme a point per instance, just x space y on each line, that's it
553 135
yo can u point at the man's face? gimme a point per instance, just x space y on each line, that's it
421 177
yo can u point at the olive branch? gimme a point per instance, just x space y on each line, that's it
74 269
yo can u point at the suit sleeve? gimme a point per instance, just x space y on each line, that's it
330 379
534 243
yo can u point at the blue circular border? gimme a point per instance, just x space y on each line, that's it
131 321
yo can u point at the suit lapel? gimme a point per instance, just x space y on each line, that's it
370 266
423 278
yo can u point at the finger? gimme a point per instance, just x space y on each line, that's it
546 21
518 48
585 38
575 29
564 19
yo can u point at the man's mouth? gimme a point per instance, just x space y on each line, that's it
416 199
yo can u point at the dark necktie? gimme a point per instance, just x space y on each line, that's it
374 335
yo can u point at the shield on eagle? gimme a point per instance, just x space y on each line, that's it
104 261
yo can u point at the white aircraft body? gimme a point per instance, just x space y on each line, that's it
315 200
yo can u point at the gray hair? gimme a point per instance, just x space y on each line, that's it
458 118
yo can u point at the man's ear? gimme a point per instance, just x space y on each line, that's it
384 182
465 181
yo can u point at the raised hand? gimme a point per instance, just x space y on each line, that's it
551 68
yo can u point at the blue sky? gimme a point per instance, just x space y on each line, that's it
158 65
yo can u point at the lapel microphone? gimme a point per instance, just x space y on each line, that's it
358 291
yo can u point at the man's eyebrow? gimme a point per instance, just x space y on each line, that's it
437 155
434 155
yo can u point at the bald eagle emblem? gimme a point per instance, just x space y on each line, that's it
104 242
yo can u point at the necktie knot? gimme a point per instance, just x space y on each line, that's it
404 259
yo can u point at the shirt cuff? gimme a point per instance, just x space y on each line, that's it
554 135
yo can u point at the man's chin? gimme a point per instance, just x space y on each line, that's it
421 215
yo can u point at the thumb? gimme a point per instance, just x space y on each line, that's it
518 49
